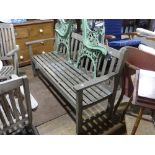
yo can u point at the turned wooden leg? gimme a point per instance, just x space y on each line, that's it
126 108
137 121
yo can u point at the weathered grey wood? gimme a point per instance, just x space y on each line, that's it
79 78
14 108
79 89
15 114
38 41
79 112
8 47
75 50
70 78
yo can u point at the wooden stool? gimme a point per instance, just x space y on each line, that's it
143 96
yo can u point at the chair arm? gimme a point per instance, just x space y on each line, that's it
131 66
12 52
109 37
38 41
94 82
150 38
131 34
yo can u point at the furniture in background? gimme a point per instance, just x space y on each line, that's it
8 51
129 25
34 30
147 38
136 59
15 108
144 94
113 28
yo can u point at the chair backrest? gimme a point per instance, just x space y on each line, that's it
113 27
136 59
7 39
15 109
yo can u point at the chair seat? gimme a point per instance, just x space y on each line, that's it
124 42
6 71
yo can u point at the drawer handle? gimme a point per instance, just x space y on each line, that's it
21 57
42 43
41 30
43 52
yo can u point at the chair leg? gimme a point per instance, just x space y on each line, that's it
126 108
137 121
110 107
118 102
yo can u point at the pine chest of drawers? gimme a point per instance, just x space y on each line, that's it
33 30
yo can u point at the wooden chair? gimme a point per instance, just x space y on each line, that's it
136 59
8 50
15 109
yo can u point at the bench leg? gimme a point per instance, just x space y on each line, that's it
79 113
33 69
110 107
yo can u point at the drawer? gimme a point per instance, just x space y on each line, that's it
45 46
21 43
21 32
40 31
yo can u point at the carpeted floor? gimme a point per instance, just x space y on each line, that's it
51 117
49 107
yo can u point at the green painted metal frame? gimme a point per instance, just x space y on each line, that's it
63 30
91 46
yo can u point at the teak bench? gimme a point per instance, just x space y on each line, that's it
76 84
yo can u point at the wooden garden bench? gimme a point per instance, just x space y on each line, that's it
77 83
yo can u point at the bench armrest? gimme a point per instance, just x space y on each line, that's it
38 41
30 43
94 82
12 52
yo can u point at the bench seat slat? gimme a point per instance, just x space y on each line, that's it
78 72
66 84
64 78
71 77
58 74
95 91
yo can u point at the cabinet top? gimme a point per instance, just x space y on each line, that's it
31 22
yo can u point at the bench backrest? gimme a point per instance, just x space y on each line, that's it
15 109
112 62
86 51
7 39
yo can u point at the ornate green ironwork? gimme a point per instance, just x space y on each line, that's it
63 30
91 46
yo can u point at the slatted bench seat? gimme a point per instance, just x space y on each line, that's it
82 78
65 76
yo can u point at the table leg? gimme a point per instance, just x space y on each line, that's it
137 121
